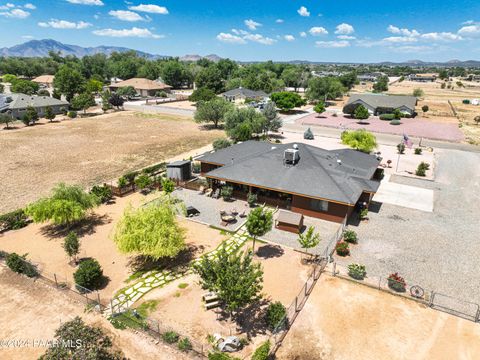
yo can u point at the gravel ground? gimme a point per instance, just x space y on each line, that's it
440 250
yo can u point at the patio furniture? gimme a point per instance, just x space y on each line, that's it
191 211
289 221
201 191
243 214
228 218
208 192
234 211
216 194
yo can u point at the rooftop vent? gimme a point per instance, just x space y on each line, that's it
339 162
295 146
291 156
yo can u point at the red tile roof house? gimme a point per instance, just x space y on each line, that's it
297 177
143 87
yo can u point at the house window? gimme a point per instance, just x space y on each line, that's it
319 205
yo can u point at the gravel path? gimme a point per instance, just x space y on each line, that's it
440 250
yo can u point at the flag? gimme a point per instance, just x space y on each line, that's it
407 141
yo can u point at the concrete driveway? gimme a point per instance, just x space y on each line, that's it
404 195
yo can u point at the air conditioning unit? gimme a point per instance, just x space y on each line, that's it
291 156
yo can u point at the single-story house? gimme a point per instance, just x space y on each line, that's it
240 94
298 177
423 77
378 104
143 87
44 80
17 104
370 77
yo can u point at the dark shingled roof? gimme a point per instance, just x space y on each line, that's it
339 175
384 101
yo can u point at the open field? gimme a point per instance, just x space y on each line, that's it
344 320
44 245
90 150
32 310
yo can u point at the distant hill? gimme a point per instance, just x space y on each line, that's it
211 57
40 48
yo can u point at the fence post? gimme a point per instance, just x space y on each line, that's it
334 271
98 298
477 315
55 276
111 306
431 298
379 283
296 303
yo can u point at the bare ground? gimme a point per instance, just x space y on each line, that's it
343 320
32 310
89 151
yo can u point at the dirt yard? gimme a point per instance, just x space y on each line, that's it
89 150
44 245
284 276
33 310
343 320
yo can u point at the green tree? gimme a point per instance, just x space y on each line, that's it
425 109
443 74
286 100
31 114
105 101
94 86
262 352
235 278
9 78
6 119
49 114
164 238
309 239
24 87
259 222
176 74
202 94
210 78
381 84
71 245
273 121
127 92
326 88
361 140
418 92
319 108
68 81
221 143
292 77
361 113
212 111
143 181
349 79
116 100
67 204
83 101
43 92
242 123
276 314
88 275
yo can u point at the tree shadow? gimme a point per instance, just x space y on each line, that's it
85 227
10 127
269 251
251 320
208 127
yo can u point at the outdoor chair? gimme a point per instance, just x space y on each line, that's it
201 190
209 192
243 214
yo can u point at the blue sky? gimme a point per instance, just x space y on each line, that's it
321 30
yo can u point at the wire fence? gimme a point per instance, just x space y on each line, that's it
335 239
411 290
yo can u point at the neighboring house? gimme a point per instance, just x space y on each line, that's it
377 104
298 177
322 74
240 94
143 87
45 80
423 77
370 77
18 104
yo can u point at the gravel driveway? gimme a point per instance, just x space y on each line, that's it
438 250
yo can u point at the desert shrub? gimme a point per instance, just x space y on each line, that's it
184 344
418 151
466 101
350 236
396 282
357 271
89 274
20 265
261 352
122 182
103 193
422 169
418 92
220 356
275 314
226 192
251 199
13 220
130 176
170 337
308 134
401 148
363 214
143 181
221 143
161 94
168 186
72 114
387 117
342 249
359 139
395 122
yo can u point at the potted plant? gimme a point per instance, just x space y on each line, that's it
364 214
350 236
227 192
357 271
251 199
396 282
342 249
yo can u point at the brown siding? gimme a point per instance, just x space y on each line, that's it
336 212
206 167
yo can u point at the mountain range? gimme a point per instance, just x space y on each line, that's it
40 48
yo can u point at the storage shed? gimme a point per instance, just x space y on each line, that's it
179 170
289 221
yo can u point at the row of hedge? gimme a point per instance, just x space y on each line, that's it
13 220
389 117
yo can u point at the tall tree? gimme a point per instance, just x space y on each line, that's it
6 119
68 81
381 84
326 88
259 222
286 100
210 78
83 101
242 123
273 121
71 245
24 87
49 114
309 239
212 111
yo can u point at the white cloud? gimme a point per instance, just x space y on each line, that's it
279 21
441 36
289 38
346 37
332 44
150 8
303 11
400 39
259 39
303 34
405 32
411 48
344 29
240 32
87 2
27 37
230 38
30 6
15 13
318 30
64 24
470 30
251 24
133 32
125 15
